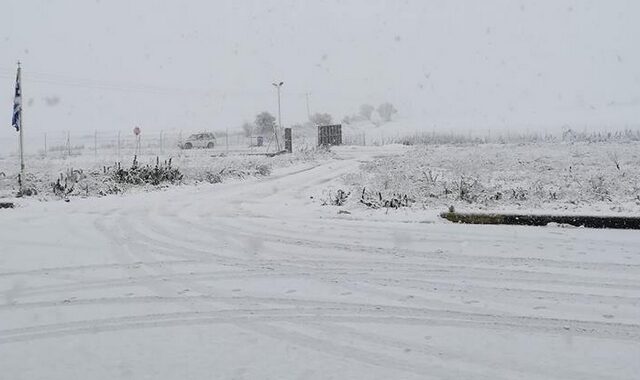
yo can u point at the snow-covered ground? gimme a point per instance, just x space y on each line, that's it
590 178
93 175
255 279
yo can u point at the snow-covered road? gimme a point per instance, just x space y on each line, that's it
256 280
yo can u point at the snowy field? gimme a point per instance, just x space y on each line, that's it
589 178
89 174
255 279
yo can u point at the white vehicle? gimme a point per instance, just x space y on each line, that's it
200 140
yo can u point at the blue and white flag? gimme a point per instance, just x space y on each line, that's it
16 122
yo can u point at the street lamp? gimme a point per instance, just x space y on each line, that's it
277 86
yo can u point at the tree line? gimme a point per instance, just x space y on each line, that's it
265 122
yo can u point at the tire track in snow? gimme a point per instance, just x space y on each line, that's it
333 312
93 267
437 258
165 231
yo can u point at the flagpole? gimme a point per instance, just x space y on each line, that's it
21 147
20 120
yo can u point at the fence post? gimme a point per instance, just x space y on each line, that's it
287 140
68 144
137 145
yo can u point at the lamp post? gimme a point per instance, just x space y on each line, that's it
278 86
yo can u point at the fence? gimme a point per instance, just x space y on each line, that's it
122 145
330 134
375 137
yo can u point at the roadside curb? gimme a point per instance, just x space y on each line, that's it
616 222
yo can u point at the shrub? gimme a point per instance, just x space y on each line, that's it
139 175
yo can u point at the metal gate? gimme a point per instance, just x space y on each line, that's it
330 134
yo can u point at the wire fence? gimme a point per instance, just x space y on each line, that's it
376 137
122 145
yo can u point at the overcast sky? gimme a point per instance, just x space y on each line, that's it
113 64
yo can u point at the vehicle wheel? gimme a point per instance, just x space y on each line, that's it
210 145
188 146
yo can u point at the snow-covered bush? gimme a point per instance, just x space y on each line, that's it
337 198
146 174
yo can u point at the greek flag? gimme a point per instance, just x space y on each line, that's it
16 122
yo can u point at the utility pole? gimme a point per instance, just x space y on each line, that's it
278 86
308 109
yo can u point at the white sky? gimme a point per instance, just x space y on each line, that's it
113 64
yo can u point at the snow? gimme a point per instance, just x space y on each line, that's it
254 279
93 175
590 178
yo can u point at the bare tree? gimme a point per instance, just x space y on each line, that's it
248 129
265 123
366 110
321 119
386 111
